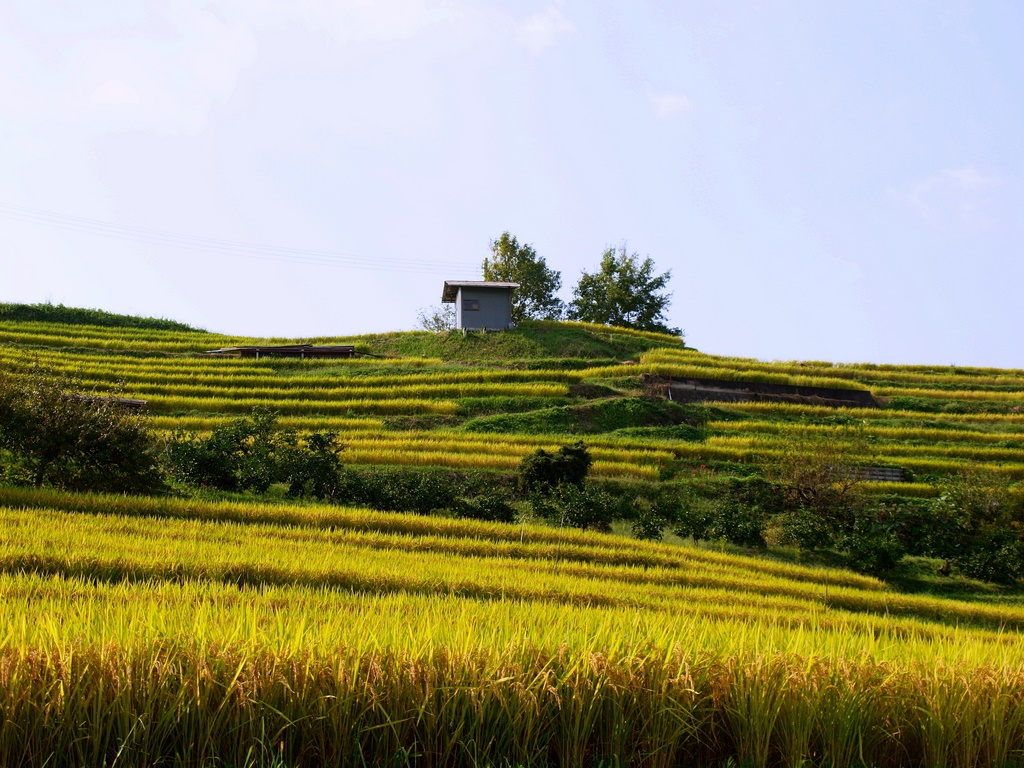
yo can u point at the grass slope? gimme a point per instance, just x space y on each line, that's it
595 417
58 313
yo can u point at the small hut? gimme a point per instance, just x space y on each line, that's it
480 305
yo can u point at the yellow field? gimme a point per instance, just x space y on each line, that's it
193 632
334 630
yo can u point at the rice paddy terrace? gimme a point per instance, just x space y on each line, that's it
186 631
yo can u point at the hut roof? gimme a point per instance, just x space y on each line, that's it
451 287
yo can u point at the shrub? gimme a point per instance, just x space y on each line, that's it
695 515
251 454
824 504
995 555
725 516
403 490
544 472
652 516
873 544
984 522
53 432
315 468
492 508
578 506
241 455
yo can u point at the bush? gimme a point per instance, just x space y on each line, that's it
873 544
242 455
492 508
404 490
652 517
984 525
710 519
202 463
313 469
578 506
543 472
53 432
994 555
251 454
804 529
695 515
824 504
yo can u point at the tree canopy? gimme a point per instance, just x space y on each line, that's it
624 291
535 298
53 432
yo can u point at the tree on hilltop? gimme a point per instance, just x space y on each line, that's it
624 291
535 298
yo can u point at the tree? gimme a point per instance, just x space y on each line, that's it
436 318
241 455
313 469
544 472
624 292
535 298
824 504
980 526
822 490
55 433
578 506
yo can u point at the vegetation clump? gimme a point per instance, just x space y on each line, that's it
624 292
251 454
54 432
542 471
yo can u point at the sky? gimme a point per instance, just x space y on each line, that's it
826 181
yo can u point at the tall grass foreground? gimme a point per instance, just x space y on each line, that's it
186 704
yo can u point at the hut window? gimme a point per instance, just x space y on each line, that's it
471 305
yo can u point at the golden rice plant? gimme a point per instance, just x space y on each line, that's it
289 407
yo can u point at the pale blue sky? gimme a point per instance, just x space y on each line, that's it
837 181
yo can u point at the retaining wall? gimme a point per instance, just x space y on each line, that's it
692 390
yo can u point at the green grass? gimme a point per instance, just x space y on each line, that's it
591 418
58 313
531 340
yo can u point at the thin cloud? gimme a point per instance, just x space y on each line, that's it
956 194
542 30
130 77
350 20
668 104
115 93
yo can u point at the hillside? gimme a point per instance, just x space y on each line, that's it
220 631
936 420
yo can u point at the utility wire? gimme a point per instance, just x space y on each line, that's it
454 269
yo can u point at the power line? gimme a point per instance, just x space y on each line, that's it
231 247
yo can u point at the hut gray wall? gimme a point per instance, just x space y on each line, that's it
494 314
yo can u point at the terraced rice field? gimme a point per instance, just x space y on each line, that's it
937 419
166 631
